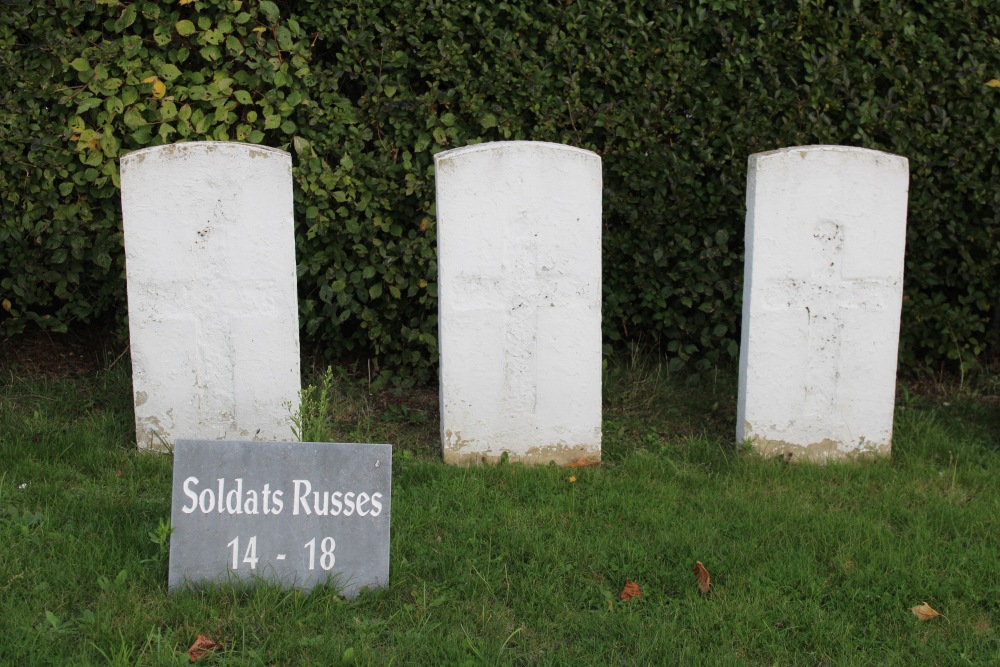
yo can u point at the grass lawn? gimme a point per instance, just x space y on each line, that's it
513 565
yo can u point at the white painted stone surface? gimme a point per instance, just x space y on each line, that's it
213 310
519 284
825 234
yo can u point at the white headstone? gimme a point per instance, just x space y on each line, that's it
825 233
213 314
519 284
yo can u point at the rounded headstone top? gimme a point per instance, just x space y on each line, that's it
501 147
828 150
186 149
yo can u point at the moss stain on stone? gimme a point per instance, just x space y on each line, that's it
821 452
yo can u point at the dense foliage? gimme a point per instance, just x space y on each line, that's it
673 96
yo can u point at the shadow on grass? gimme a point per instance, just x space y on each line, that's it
646 407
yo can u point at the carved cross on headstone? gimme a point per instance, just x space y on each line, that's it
533 289
822 299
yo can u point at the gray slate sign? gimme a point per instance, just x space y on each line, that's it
297 513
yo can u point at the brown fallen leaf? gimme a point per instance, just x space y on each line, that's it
924 612
704 578
202 647
630 591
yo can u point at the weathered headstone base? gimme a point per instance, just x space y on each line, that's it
563 455
818 452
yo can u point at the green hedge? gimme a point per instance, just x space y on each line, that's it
673 96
